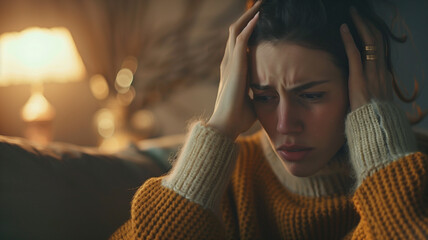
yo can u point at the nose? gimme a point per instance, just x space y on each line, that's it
288 119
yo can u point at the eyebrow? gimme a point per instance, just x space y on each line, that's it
293 89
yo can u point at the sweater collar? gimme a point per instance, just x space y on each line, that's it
333 179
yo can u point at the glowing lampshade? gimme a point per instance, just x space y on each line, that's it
35 56
38 55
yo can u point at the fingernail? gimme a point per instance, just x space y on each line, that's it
344 28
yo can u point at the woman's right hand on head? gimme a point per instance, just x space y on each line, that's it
233 112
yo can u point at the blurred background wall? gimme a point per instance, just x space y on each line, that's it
175 48
410 60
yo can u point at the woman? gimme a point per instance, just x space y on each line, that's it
336 159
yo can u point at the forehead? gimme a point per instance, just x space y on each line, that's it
291 64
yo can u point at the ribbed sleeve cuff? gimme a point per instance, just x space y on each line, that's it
378 133
204 166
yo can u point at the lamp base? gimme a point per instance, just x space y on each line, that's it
39 131
38 115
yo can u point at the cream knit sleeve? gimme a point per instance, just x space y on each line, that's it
204 166
378 133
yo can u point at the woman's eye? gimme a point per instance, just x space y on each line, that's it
263 98
312 97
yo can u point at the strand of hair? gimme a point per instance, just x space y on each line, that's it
401 95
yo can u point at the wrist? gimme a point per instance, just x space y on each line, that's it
361 99
222 128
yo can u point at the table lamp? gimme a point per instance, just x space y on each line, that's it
36 56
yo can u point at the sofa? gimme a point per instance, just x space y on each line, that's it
62 191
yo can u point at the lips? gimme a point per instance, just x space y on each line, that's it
293 153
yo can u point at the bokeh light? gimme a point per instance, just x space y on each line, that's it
105 122
123 80
126 98
99 86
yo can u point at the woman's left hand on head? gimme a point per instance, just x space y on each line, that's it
368 76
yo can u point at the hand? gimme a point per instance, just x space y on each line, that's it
233 112
370 79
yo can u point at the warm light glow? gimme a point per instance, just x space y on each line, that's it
126 98
124 80
39 55
105 122
37 108
114 144
99 86
143 120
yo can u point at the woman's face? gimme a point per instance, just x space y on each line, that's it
300 98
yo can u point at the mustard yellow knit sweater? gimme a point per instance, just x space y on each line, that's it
375 188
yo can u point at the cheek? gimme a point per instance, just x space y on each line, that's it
266 117
327 121
323 120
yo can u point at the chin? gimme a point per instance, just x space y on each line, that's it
301 173
300 170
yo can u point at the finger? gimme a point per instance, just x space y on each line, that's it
247 16
366 35
225 58
242 38
357 85
239 65
378 39
385 76
236 28
352 52
362 28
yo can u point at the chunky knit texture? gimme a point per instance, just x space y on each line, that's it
377 134
257 202
203 181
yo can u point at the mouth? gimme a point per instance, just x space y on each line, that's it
293 153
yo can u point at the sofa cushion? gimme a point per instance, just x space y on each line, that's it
67 192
